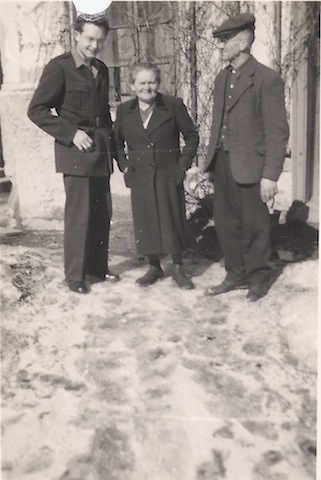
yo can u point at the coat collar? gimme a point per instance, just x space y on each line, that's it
159 102
133 119
244 79
161 114
248 68
79 61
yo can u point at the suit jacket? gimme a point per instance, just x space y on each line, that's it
155 161
81 102
257 128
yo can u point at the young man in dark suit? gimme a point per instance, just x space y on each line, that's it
245 157
75 84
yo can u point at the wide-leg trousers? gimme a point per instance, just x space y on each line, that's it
88 211
242 224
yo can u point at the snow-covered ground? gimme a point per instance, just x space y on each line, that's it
157 383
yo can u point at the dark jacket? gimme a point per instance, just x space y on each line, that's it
81 102
257 128
155 163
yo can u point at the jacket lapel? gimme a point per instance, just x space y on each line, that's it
99 75
160 114
220 96
134 121
244 81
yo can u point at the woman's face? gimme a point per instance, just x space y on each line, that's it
145 86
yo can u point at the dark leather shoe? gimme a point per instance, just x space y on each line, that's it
78 287
256 292
105 277
181 279
153 274
226 286
111 277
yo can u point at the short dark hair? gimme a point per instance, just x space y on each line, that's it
101 23
138 67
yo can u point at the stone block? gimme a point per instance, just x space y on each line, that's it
29 164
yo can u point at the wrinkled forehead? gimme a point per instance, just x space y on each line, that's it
145 74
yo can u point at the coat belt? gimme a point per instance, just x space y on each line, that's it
97 122
94 122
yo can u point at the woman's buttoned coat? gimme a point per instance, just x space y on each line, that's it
156 163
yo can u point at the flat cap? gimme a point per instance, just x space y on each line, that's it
235 24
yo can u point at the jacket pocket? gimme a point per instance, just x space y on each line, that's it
77 96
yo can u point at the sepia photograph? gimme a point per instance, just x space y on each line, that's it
159 321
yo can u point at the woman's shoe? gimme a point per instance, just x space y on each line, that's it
181 279
153 274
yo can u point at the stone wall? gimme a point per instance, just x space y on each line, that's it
32 33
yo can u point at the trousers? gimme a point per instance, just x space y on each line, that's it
88 211
242 223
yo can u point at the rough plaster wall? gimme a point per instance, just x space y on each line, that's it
37 195
33 33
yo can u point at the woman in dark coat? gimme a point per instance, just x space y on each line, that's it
148 128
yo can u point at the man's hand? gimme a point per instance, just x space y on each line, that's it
268 188
83 141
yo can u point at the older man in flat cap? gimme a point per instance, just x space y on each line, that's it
75 84
245 157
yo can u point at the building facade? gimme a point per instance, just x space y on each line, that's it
178 37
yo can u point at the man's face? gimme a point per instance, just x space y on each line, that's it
90 41
231 46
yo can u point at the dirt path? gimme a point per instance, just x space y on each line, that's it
157 383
